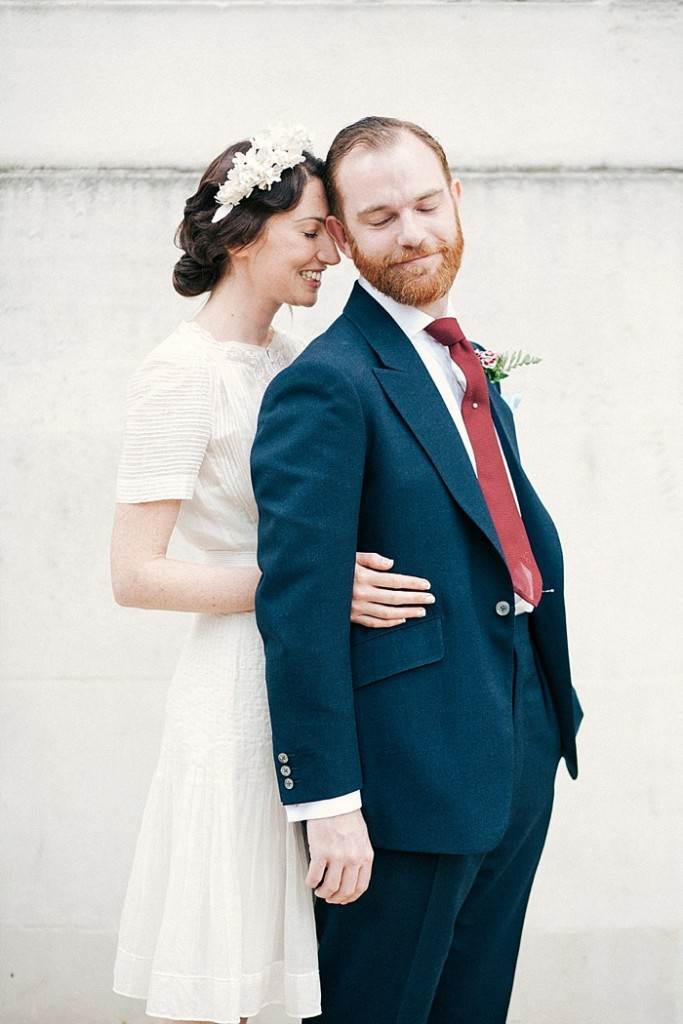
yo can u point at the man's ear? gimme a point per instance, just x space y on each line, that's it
338 233
456 191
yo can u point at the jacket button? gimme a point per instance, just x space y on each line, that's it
282 758
503 607
289 784
285 770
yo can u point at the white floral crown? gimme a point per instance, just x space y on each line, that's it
271 152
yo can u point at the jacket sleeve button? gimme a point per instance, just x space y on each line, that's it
282 758
285 770
289 784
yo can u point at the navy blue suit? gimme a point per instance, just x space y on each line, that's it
355 450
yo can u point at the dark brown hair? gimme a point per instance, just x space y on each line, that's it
206 246
373 133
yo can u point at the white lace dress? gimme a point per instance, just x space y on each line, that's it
217 920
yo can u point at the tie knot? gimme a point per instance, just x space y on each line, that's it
447 330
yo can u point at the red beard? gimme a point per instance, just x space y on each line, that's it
408 283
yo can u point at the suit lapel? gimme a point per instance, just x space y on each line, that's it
410 389
418 401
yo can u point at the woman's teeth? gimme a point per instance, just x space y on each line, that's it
311 275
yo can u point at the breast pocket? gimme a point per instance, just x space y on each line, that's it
393 649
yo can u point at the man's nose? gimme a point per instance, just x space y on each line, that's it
411 233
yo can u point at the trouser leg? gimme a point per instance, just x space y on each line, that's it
381 957
477 978
435 938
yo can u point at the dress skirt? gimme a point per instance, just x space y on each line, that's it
217 920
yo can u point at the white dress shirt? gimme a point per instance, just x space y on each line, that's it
450 382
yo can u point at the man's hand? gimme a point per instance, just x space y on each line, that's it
340 850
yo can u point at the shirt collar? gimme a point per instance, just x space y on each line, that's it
410 319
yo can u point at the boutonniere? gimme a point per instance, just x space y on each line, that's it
497 366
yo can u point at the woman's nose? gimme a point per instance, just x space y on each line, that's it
328 252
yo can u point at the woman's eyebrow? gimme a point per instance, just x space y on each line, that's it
321 220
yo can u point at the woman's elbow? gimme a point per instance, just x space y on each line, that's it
121 591
125 586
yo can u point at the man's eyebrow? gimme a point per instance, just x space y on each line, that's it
386 206
321 220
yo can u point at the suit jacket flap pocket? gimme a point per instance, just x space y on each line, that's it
393 649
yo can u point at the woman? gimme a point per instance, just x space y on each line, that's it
217 921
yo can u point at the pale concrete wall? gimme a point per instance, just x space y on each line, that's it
578 266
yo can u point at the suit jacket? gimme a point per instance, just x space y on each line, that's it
355 450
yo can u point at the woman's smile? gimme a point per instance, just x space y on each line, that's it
312 278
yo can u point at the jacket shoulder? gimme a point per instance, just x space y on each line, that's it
341 350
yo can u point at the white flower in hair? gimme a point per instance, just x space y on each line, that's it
271 152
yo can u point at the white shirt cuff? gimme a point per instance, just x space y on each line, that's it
324 808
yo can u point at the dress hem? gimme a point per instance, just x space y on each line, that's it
235 1020
299 994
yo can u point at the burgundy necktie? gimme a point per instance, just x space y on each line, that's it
491 473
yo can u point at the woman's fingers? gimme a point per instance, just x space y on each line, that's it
368 620
395 580
378 595
385 611
371 560
381 598
374 571
363 594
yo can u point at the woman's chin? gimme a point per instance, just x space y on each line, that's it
301 300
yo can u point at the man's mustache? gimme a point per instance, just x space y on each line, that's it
412 254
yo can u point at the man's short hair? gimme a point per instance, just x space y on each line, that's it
373 133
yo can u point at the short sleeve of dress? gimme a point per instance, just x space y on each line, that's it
168 426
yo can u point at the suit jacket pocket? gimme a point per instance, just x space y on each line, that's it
393 649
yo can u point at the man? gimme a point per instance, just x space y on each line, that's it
422 756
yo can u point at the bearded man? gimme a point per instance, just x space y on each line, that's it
422 757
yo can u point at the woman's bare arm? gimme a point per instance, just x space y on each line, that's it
143 576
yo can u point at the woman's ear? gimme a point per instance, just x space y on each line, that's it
338 233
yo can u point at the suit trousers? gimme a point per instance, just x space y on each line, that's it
435 938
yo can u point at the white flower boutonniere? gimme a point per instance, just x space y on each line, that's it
497 366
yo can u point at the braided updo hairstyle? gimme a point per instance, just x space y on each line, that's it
206 246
